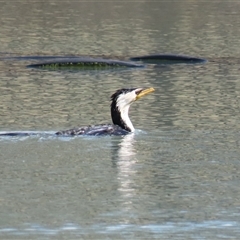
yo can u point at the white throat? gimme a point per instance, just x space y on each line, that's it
126 119
123 104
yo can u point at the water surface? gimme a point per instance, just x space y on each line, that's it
176 178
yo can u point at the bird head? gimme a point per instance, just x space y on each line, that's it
121 101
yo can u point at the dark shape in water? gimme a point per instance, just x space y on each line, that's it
14 134
84 63
92 130
26 133
168 59
35 57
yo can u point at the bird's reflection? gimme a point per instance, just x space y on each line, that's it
126 149
126 165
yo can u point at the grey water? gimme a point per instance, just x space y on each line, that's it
177 177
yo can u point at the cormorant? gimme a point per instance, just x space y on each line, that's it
122 125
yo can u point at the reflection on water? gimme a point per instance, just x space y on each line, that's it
126 171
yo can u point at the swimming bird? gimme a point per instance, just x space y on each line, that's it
120 104
121 123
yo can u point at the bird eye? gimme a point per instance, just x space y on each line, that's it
138 91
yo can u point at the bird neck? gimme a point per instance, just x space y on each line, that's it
121 118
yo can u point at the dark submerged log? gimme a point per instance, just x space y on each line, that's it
168 59
85 63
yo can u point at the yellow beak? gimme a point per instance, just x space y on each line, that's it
144 92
